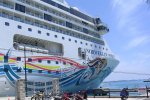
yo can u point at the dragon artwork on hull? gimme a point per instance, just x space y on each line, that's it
76 74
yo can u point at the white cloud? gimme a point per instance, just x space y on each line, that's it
141 40
130 16
124 11
137 64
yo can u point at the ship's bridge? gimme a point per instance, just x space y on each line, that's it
101 27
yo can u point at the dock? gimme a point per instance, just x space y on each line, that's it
13 98
94 94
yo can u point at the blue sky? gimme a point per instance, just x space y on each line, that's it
129 36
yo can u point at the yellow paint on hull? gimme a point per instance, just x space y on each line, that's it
48 67
1 58
42 67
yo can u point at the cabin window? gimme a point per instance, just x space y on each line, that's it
29 59
29 29
75 41
47 17
68 24
39 32
40 71
85 30
6 23
19 27
20 8
19 70
18 58
56 62
55 36
63 38
48 61
81 53
48 34
39 60
49 83
29 70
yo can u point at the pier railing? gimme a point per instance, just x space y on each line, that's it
115 93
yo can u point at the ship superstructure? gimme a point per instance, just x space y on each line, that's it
59 41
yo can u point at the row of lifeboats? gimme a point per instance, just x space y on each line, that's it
31 49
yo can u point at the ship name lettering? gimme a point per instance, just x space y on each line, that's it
95 52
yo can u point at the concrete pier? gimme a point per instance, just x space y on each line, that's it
13 98
20 90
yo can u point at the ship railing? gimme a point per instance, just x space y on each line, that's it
35 87
37 15
54 13
6 5
49 27
115 93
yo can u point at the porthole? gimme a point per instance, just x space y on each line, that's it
19 27
48 61
39 32
63 38
55 36
56 62
47 34
6 23
39 60
29 29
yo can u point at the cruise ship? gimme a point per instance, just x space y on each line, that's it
49 39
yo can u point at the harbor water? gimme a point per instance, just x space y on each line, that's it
140 85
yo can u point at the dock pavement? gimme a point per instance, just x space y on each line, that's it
13 98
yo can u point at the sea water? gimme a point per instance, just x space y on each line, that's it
130 84
125 84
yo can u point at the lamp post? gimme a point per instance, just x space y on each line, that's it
25 71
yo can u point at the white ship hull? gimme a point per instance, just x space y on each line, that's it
78 63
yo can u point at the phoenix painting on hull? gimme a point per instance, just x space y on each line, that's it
59 42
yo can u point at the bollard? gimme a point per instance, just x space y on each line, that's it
20 90
56 88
